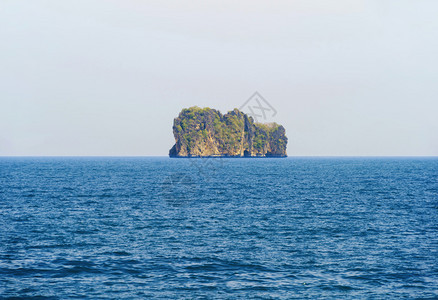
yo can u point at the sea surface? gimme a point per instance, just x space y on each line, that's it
278 228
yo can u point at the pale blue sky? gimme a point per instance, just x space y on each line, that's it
105 77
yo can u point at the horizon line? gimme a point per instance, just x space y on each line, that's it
289 156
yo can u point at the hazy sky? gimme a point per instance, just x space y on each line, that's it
105 77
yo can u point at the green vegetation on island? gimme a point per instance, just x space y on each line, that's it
201 132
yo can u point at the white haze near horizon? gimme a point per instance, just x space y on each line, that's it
105 77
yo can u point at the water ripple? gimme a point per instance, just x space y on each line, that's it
268 228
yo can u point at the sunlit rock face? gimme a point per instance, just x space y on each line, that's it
204 132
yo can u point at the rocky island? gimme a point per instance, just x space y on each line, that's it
205 132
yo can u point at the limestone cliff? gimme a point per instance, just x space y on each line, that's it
203 132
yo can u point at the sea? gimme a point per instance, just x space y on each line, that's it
218 228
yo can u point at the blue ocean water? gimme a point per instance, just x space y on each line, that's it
219 228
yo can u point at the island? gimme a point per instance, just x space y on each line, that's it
205 132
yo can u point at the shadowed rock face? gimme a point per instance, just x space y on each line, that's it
203 132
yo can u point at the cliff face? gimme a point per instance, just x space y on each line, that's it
206 132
